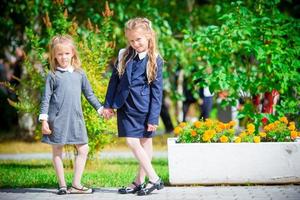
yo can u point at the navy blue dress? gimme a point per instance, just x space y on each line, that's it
131 121
138 103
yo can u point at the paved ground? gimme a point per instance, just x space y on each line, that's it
286 192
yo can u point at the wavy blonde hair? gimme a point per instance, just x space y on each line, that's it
58 41
145 25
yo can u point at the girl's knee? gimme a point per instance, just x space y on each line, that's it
82 150
133 143
57 150
146 141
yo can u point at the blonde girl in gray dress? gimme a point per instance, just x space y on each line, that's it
61 112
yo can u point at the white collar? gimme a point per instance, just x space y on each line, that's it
142 55
69 69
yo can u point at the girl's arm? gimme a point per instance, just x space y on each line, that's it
113 82
156 95
89 93
48 91
112 87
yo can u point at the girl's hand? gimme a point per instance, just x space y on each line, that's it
151 127
45 128
100 111
108 113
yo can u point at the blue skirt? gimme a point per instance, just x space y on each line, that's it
132 122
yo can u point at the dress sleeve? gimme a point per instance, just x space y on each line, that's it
48 91
89 93
113 83
112 87
156 95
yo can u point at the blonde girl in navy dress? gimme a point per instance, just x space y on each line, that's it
135 90
61 112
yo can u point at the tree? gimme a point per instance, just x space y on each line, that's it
255 50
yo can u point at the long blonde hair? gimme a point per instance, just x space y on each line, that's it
146 25
63 40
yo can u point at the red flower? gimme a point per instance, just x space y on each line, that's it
264 120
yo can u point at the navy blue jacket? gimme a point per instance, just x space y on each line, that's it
146 97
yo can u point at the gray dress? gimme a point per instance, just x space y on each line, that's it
62 102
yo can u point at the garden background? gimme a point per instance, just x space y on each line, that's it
244 48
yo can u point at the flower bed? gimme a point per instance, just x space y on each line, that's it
209 153
212 131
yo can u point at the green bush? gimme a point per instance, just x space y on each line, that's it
95 48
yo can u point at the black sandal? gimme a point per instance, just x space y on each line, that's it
147 190
129 190
62 190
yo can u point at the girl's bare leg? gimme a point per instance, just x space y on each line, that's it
80 161
143 153
57 151
147 146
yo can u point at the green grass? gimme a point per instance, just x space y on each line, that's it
99 173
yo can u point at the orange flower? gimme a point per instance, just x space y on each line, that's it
292 123
250 128
193 133
272 126
232 123
299 134
267 128
294 134
208 135
262 134
182 124
238 140
218 129
256 139
292 127
284 120
205 137
197 124
208 122
227 126
221 126
177 130
223 139
211 133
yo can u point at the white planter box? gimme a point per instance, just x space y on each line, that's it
233 163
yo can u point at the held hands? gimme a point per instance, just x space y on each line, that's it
45 128
107 113
151 127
